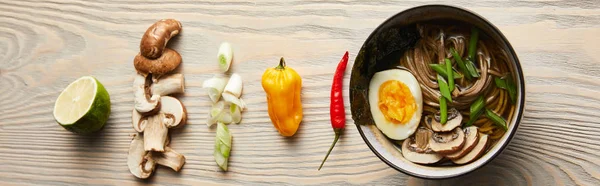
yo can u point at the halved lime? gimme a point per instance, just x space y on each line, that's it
83 107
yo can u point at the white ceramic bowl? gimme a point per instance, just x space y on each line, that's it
385 149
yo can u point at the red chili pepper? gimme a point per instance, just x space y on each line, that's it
337 112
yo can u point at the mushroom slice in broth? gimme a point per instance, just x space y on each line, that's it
447 142
454 120
416 148
477 151
471 137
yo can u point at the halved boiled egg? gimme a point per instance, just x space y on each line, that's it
396 103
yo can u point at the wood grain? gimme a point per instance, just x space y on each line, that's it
46 44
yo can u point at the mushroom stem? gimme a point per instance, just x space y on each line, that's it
169 84
170 158
155 133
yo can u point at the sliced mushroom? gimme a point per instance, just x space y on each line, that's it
137 122
145 102
416 148
169 84
155 127
454 119
471 137
140 163
477 151
155 133
169 158
174 111
447 142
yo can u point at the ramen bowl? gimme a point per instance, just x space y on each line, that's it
374 56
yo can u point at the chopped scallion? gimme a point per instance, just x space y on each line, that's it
441 70
461 64
222 146
450 77
443 110
473 118
500 83
511 88
477 105
444 88
473 43
472 68
496 119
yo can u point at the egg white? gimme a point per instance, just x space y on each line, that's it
390 129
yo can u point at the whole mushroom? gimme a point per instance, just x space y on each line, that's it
157 36
154 58
167 62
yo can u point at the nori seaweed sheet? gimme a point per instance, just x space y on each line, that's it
381 51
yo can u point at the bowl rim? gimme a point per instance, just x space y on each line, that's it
519 110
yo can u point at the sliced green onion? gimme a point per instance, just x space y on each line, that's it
476 110
215 87
511 88
222 146
473 43
441 70
477 105
216 112
225 56
473 118
450 77
444 88
443 110
236 113
496 119
472 68
500 83
461 64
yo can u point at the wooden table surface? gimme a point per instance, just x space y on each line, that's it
46 44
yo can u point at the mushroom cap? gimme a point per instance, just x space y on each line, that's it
454 120
167 62
471 137
477 151
447 142
157 36
174 111
140 164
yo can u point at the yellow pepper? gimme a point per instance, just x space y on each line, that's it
282 85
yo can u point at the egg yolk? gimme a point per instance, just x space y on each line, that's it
396 102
